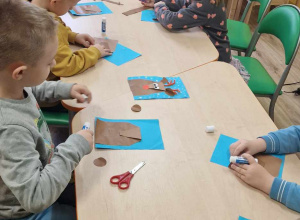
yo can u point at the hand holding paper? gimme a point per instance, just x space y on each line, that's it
248 146
84 39
253 174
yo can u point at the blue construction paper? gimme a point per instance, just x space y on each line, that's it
101 5
150 132
221 153
162 95
148 15
122 55
242 218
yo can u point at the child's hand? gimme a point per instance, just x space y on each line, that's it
250 147
104 52
85 40
88 135
159 3
148 3
78 90
254 174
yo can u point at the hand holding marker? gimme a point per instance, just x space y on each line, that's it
86 126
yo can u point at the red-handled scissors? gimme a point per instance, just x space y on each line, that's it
123 180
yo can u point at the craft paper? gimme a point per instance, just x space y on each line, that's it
137 87
122 55
102 7
86 9
272 163
107 43
242 218
136 108
112 131
148 15
136 10
116 133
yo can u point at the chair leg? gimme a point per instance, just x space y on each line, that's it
239 53
71 115
272 107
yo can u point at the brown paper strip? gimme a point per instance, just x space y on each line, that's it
86 9
108 133
132 133
107 43
270 163
136 10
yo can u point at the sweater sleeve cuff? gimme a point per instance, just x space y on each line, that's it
96 51
71 37
63 90
279 190
272 143
80 142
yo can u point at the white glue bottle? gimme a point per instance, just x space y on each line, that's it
103 28
240 160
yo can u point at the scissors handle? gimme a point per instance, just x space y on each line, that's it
124 183
117 178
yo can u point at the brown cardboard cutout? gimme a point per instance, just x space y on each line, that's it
136 10
107 43
116 133
136 86
86 9
136 108
270 163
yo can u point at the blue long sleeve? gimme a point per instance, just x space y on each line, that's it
284 141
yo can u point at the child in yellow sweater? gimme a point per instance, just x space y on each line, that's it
69 63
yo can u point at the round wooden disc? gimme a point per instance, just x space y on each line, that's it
136 108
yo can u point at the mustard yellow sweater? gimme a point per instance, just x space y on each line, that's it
69 63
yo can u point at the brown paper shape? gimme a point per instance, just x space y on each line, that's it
107 43
136 10
108 133
170 92
86 9
136 108
157 86
132 133
270 163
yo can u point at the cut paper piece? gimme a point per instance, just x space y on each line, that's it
242 218
136 10
221 156
107 43
155 87
90 8
132 133
136 108
86 9
122 55
110 133
150 134
149 16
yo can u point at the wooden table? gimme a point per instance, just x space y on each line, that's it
164 53
180 182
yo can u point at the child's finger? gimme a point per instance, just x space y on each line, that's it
250 159
241 176
242 166
91 40
238 169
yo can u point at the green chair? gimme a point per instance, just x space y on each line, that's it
284 23
56 118
239 33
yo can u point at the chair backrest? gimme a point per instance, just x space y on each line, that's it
284 23
264 5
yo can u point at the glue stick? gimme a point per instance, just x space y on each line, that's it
103 25
86 126
240 160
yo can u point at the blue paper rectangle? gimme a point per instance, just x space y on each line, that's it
221 153
122 55
162 95
150 132
242 218
101 5
148 15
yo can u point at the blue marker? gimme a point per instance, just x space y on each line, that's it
86 126
240 160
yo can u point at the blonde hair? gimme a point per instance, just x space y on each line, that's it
25 30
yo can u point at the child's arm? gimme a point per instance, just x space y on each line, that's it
37 185
50 91
283 141
184 18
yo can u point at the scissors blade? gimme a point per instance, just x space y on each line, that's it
139 166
